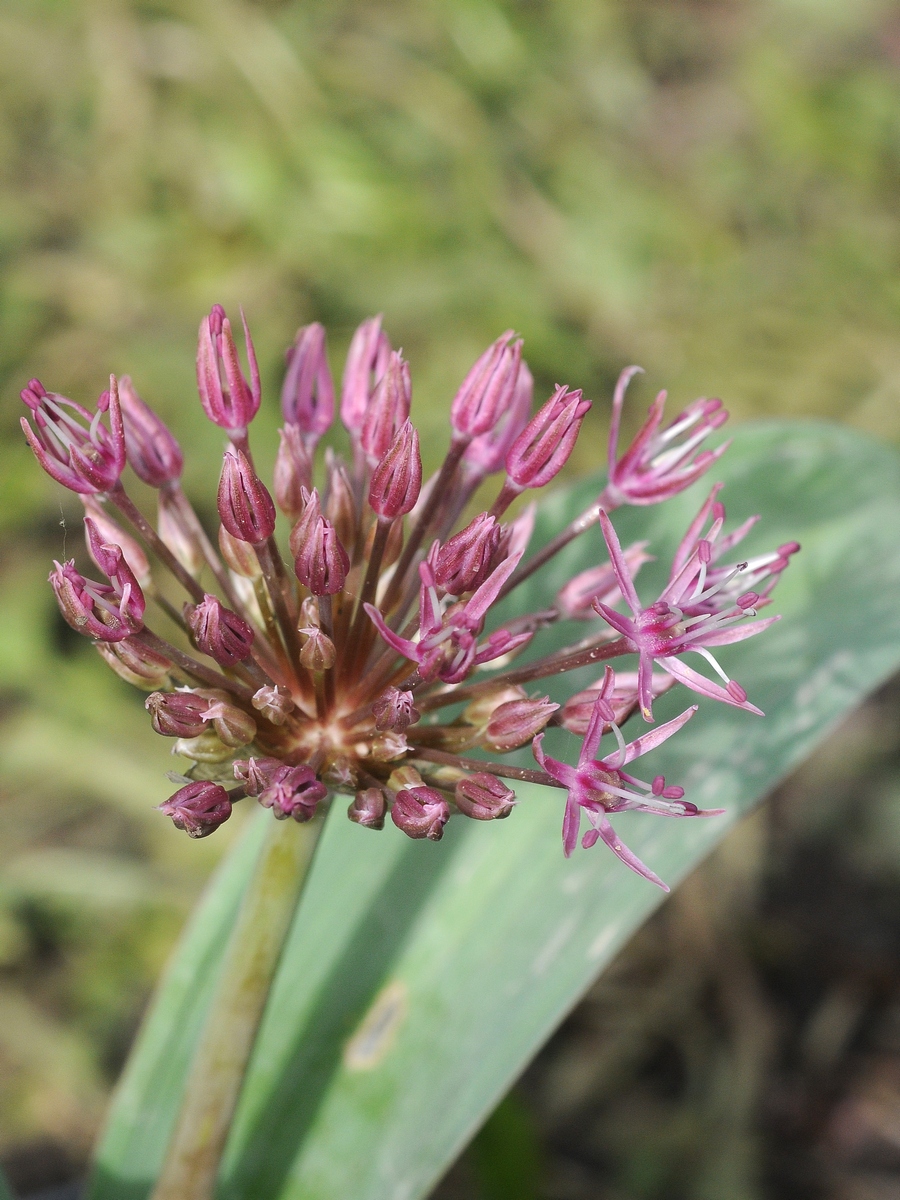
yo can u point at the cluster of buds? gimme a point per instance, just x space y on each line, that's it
370 660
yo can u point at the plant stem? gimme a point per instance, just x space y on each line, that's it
220 1061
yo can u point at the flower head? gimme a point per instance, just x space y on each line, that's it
336 677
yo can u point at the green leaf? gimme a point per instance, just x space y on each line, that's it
419 979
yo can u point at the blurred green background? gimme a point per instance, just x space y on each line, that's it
706 188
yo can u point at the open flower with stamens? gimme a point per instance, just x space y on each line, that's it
597 787
690 615
327 665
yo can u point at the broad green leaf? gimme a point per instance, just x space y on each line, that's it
418 980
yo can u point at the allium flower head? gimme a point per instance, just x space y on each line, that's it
328 665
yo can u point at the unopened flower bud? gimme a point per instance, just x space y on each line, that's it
218 632
112 533
487 453
198 808
516 722
484 797
303 529
318 652
273 703
245 506
488 389
368 808
421 812
480 710
367 360
227 398
176 534
293 792
543 447
465 561
322 563
394 710
405 777
307 395
239 555
233 726
340 505
397 479
389 746
136 663
153 453
177 714
257 773
387 410
292 476
206 747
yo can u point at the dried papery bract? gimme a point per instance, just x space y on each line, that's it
338 675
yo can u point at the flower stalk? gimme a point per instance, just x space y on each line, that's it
220 1060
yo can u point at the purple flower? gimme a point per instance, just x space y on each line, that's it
447 648
660 463
664 631
307 395
71 444
228 399
597 787
488 390
109 612
221 634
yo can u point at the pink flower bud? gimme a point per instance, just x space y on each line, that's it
542 448
465 561
71 444
136 663
245 506
484 797
218 632
239 555
488 389
388 409
257 773
110 532
177 714
233 726
293 792
293 471
394 710
340 504
366 363
153 453
516 722
318 652
199 808
368 808
487 453
303 529
307 396
397 479
273 703
175 532
421 812
227 398
322 562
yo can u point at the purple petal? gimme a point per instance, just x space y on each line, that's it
702 686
